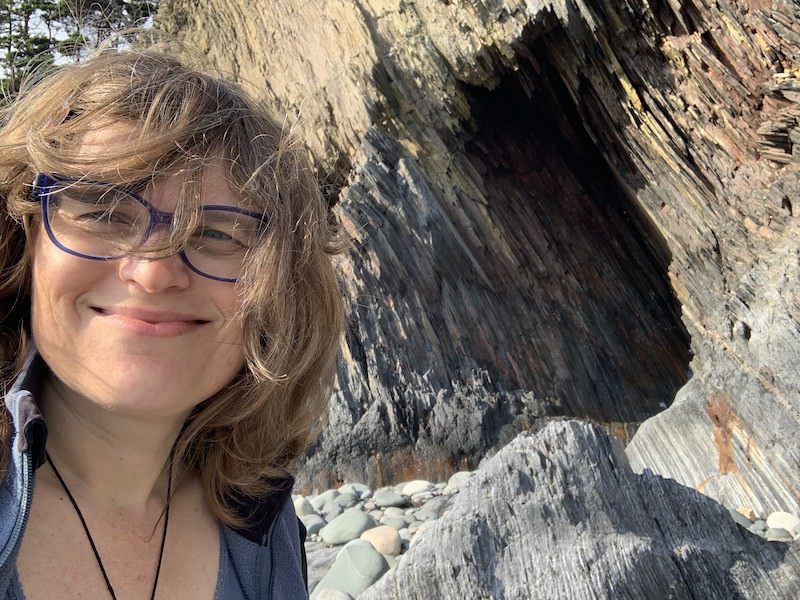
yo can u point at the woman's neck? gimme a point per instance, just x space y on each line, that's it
116 459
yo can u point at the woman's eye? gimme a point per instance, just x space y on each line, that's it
214 234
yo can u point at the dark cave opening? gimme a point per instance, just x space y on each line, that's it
591 259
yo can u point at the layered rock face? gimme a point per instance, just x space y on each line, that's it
560 514
518 177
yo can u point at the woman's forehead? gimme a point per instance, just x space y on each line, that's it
166 191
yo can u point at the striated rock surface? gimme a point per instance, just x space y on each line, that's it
560 514
501 273
520 178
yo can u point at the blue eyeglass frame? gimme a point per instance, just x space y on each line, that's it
42 189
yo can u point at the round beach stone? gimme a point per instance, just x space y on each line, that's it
778 534
331 594
346 500
303 507
760 526
391 560
747 512
312 523
359 489
346 527
331 511
319 501
424 515
458 480
418 486
420 499
388 498
437 505
415 526
384 539
357 566
784 520
397 523
740 519
394 511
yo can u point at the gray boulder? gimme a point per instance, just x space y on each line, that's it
346 527
319 558
357 566
388 498
560 514
312 523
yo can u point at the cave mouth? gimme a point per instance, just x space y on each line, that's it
596 263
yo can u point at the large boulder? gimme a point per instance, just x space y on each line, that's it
560 514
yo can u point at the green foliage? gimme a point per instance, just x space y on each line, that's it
41 34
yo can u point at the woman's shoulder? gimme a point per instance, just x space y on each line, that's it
269 554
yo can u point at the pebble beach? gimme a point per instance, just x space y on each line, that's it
356 534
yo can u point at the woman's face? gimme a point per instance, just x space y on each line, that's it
146 337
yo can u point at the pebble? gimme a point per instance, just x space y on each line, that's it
778 534
418 486
387 521
384 539
396 522
319 501
331 594
357 566
312 523
346 500
388 498
361 490
346 527
760 526
747 512
784 520
740 519
331 511
303 507
459 479
779 526
425 515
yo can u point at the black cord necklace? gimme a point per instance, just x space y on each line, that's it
89 535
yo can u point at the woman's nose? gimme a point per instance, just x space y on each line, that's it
155 275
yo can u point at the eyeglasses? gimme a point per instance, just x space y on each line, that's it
101 221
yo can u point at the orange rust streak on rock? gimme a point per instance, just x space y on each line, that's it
719 411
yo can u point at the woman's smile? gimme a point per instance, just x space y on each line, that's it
149 322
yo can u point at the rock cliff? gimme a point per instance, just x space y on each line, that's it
546 197
560 514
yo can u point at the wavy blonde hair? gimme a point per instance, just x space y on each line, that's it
251 432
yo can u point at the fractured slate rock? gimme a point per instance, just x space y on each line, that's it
560 514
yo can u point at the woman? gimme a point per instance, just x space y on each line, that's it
169 310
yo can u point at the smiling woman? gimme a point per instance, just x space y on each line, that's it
169 309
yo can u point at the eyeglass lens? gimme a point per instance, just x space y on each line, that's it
105 222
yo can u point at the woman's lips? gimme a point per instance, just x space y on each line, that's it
155 323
